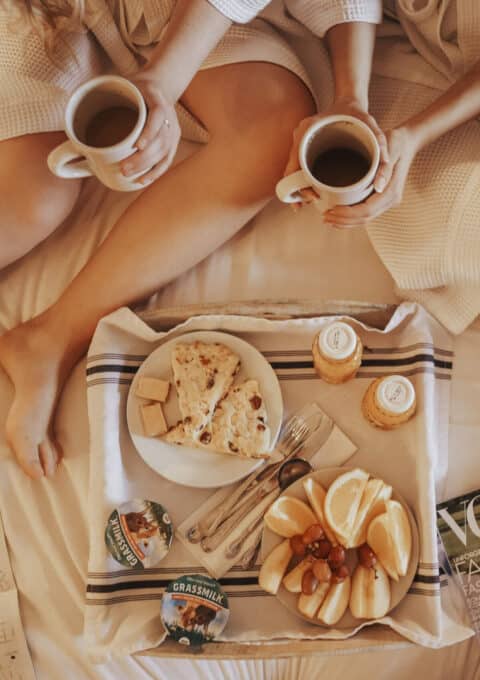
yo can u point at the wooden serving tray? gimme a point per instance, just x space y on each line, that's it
372 638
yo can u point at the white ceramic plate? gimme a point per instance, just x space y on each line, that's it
197 467
398 588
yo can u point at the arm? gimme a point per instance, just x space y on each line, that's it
194 30
351 51
460 103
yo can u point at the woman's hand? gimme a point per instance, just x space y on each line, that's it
159 140
389 184
344 107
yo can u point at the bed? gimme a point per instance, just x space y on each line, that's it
278 256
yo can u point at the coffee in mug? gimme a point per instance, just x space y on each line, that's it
339 157
340 166
110 126
103 120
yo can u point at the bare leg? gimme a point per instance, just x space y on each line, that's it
250 111
34 202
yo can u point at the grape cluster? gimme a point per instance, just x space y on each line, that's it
327 562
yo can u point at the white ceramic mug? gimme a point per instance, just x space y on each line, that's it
87 101
335 131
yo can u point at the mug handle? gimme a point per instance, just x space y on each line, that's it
288 186
59 162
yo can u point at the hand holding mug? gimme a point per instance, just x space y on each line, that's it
322 132
113 135
402 151
160 137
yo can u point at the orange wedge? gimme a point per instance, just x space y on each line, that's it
289 516
316 496
401 534
343 500
380 541
359 531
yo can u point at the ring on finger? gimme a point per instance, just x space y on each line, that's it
166 122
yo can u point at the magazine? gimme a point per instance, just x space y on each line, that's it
458 524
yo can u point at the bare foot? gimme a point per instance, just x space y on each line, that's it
37 363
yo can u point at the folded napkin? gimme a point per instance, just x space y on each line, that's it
335 450
123 606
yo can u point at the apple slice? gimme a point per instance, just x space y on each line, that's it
316 496
359 530
293 580
335 603
289 516
274 567
370 594
401 533
380 541
308 605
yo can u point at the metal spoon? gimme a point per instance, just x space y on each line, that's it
291 470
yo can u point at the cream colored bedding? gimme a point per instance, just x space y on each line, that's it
279 255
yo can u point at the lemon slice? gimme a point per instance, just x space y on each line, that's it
360 525
342 502
401 534
316 495
289 516
380 541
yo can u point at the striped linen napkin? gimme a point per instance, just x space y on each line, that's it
123 606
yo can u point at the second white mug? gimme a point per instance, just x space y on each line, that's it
339 157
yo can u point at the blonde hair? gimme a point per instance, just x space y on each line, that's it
51 18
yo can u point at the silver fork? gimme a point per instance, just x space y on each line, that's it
293 436
295 433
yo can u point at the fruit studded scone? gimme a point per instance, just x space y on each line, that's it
203 374
239 425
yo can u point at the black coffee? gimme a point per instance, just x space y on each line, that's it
110 126
340 167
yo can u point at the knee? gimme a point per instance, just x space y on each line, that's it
262 101
278 102
29 211
28 217
285 103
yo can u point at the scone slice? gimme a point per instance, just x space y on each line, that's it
203 373
239 426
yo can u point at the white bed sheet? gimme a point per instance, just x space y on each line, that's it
279 255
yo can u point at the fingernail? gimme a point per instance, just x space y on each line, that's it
380 185
127 169
141 144
145 181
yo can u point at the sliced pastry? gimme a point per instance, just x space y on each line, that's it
203 374
239 425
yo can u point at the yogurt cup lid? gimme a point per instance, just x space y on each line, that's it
139 533
194 609
395 394
337 341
